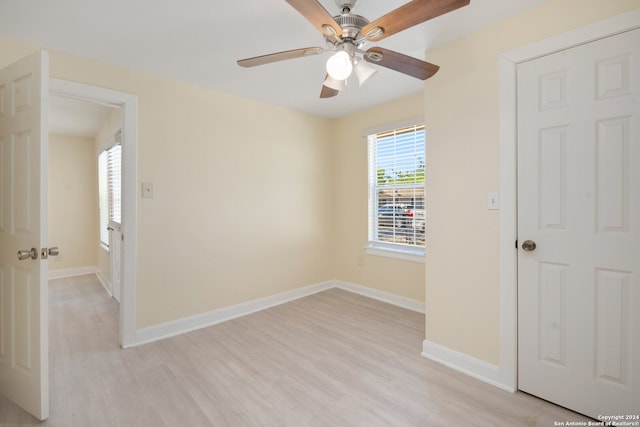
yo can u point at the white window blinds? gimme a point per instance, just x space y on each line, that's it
109 189
114 168
396 187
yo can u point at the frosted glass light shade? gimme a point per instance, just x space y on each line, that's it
363 71
335 84
339 65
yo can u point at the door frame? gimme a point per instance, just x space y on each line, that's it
508 256
128 103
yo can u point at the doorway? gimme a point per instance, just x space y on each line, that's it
508 216
78 131
127 103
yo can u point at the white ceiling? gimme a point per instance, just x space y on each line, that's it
199 41
74 117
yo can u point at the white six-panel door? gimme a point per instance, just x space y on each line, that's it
579 201
23 283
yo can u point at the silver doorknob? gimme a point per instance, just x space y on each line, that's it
528 245
26 254
46 253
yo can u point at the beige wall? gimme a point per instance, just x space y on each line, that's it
242 200
73 202
461 108
243 191
403 278
253 199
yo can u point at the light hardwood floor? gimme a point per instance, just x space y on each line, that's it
332 359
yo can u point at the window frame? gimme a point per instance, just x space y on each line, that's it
407 252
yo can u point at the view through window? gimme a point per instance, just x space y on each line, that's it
396 188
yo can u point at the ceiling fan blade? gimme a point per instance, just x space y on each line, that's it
412 13
328 92
317 15
279 56
400 62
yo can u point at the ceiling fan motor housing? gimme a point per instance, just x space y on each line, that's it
351 25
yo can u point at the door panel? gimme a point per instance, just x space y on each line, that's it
612 326
612 174
23 284
579 200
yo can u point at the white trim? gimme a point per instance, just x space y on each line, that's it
507 370
81 271
210 318
508 227
129 105
106 284
397 253
71 272
598 30
404 302
395 125
464 363
213 317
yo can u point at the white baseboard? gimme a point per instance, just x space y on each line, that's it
466 364
192 323
81 271
404 302
106 284
453 359
71 272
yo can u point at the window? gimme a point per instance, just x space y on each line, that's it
109 189
396 190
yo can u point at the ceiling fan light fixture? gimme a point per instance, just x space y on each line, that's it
363 71
339 66
332 83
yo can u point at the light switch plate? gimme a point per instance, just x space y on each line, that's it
147 190
493 201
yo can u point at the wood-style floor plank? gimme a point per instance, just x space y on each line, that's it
333 359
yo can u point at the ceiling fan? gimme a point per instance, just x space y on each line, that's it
346 34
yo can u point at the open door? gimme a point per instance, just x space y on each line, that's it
24 358
115 250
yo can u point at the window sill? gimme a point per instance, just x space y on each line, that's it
413 255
